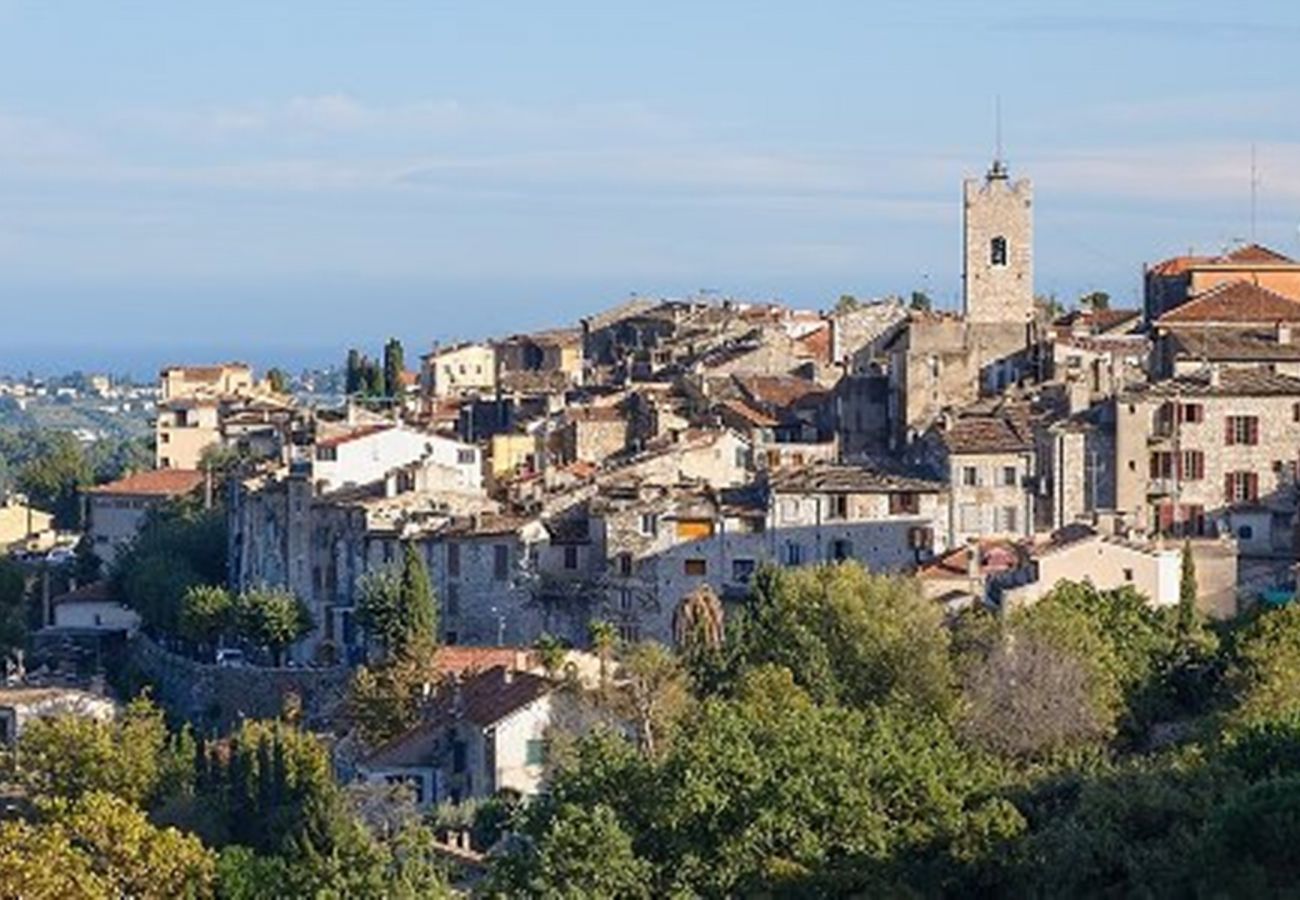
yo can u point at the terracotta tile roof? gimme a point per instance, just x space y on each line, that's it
753 416
995 556
153 483
1178 265
1254 253
1098 322
594 414
1235 301
459 659
355 434
95 592
483 699
779 391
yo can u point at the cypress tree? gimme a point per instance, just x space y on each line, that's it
352 378
1187 591
417 608
394 366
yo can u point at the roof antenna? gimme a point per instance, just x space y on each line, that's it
1254 191
999 169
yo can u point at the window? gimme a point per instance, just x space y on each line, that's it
838 506
793 554
1241 487
625 564
500 561
970 518
451 638
920 539
742 570
841 550
998 251
458 754
629 632
1245 532
1008 476
465 457
904 504
1193 465
696 568
1128 574
970 476
1242 430
649 524
570 557
789 510
327 454
744 458
1191 413
624 599
453 560
165 437
1295 412
535 752
1006 519
1162 464
453 599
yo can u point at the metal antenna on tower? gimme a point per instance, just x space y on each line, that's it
1254 191
997 126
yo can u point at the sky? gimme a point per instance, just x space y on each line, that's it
278 181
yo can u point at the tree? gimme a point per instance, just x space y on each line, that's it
398 609
1096 301
384 701
41 863
654 694
394 368
921 301
848 635
1265 674
272 617
353 379
584 852
1187 591
847 304
54 478
69 755
13 608
1027 697
550 650
603 636
207 612
278 380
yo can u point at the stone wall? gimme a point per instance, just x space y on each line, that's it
216 697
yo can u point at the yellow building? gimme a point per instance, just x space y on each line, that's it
511 453
21 523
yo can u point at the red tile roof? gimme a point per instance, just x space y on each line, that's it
457 659
988 434
1178 265
355 434
1254 253
154 483
778 391
749 414
1237 302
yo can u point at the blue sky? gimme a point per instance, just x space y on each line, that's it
288 178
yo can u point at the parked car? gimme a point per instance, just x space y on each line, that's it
61 556
230 658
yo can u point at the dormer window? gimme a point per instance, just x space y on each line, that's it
998 251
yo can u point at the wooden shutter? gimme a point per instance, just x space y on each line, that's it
1227 488
1229 437
1252 486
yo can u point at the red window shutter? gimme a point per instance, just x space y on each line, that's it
1166 515
1254 430
1227 431
1227 488
1252 486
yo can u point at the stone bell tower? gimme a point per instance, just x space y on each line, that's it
998 249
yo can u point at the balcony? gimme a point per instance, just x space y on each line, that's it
1161 487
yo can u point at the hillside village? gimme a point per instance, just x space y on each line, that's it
641 467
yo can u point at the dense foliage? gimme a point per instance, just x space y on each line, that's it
52 467
845 741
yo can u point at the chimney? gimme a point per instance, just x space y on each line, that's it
1283 330
973 560
1216 378
507 675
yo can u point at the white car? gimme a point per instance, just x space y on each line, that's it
61 556
230 658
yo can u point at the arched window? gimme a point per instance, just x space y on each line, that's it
998 251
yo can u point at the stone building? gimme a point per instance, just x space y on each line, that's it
1232 324
1211 454
1172 282
115 511
989 463
458 370
997 249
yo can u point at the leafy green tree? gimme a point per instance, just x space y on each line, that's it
278 380
848 635
207 613
921 301
1187 591
394 368
385 700
846 303
550 650
654 694
54 479
100 845
603 636
584 852
379 608
1265 672
68 756
272 617
1096 301
13 607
